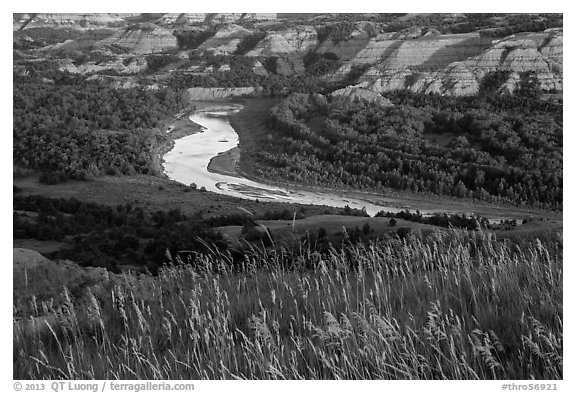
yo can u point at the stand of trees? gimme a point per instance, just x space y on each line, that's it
82 129
243 76
249 42
192 39
439 220
111 236
108 236
505 149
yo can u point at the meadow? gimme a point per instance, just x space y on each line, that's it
451 305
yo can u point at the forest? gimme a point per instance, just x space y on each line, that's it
106 236
498 149
112 236
445 220
80 130
241 74
492 25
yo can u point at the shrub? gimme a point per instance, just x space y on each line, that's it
404 232
53 177
366 229
250 42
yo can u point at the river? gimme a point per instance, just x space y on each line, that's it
188 161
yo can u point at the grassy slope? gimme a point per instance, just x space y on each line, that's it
453 307
290 233
152 193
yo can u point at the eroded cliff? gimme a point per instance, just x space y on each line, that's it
456 65
218 93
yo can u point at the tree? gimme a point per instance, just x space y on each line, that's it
366 229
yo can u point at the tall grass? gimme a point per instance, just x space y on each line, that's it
454 306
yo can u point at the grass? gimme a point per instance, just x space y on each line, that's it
289 233
151 193
451 306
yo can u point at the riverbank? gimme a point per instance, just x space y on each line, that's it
179 126
226 163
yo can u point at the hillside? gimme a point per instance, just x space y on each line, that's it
387 311
369 53
456 65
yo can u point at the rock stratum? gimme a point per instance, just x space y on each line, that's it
219 93
143 39
226 40
456 64
88 20
419 59
295 40
359 93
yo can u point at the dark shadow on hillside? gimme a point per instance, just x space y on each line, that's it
457 52
392 49
350 48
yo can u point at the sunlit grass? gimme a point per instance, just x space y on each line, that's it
455 306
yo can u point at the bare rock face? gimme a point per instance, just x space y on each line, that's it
143 39
360 93
226 40
456 79
538 52
213 18
69 20
409 33
456 64
89 38
123 82
123 65
296 40
431 33
510 85
235 17
346 49
388 54
259 69
218 93
367 53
